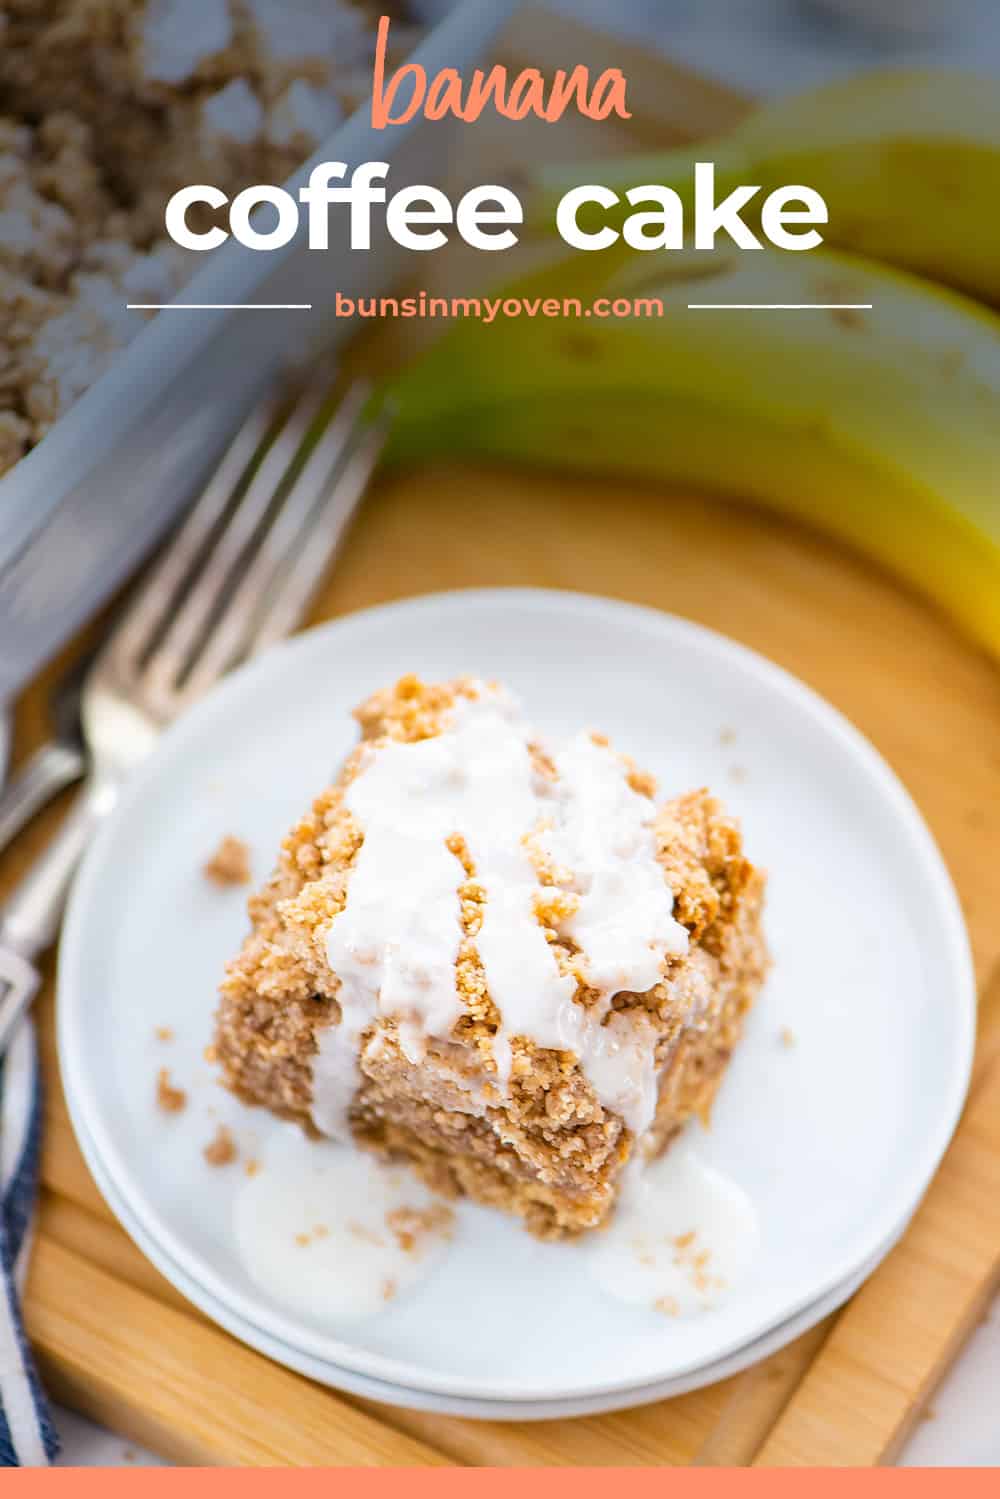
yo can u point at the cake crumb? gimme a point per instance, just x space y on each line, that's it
252 1167
388 1289
684 1241
230 864
787 1036
164 1033
318 1231
367 1235
667 1305
727 737
221 1149
171 1100
410 1226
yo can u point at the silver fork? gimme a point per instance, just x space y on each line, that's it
54 765
238 576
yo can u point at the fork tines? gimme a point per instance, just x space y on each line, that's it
245 564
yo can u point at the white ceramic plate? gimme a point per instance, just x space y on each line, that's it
480 1410
834 1138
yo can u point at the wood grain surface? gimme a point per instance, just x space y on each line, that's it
121 1344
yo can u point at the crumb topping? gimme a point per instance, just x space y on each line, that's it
230 864
221 1150
411 1227
170 1100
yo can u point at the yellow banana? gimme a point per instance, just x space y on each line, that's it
908 162
883 427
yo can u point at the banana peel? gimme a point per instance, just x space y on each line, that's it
907 161
880 427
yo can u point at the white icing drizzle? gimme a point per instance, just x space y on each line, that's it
395 944
314 1230
682 1237
624 923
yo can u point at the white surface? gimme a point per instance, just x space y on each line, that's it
821 811
773 46
906 20
961 1426
87 1445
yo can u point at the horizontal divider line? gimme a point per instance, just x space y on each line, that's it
218 306
780 306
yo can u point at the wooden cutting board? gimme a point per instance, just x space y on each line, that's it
117 1342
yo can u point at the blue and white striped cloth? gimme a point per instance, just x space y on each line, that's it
27 1436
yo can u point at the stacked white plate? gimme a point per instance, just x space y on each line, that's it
832 1118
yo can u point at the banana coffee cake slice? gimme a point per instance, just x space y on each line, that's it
498 961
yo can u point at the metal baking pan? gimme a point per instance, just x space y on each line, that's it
80 510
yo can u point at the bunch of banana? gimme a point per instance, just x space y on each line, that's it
908 163
882 426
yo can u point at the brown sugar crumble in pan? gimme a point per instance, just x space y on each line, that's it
107 107
543 1147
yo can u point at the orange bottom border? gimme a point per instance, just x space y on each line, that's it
495 1483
